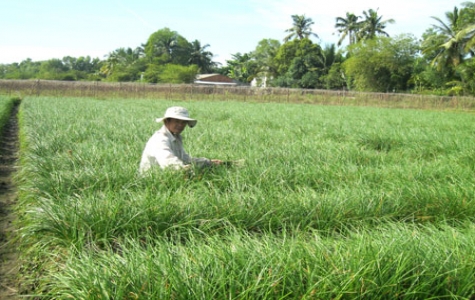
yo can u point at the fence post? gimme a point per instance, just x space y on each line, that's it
37 87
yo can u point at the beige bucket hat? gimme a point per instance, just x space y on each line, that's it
180 113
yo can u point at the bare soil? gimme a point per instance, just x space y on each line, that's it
9 265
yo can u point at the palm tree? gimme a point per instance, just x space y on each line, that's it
165 46
467 34
121 57
300 28
264 55
114 59
201 57
162 45
372 25
347 27
241 67
450 41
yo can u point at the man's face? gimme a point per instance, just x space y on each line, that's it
175 126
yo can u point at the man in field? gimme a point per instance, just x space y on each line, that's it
165 147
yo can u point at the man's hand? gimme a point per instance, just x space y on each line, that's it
216 162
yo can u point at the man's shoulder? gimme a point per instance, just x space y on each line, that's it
161 134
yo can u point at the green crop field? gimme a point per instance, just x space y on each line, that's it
330 203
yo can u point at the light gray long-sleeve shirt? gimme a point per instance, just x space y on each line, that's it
166 150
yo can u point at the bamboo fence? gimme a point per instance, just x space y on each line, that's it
106 90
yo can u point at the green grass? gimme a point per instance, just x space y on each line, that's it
387 262
332 202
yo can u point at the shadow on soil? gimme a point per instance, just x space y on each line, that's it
8 252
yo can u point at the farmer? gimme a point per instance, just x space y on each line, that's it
165 147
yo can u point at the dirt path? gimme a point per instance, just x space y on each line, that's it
8 251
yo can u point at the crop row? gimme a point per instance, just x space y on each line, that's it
331 202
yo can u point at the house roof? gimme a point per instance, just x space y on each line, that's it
214 78
203 76
214 82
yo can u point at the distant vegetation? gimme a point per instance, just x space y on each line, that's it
365 58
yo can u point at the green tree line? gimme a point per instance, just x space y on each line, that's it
365 58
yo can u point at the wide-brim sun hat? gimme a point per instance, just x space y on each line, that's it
180 113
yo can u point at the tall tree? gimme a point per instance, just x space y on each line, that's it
264 56
53 69
372 25
201 57
382 64
301 28
27 69
300 64
449 50
167 46
467 27
331 56
347 27
450 45
242 67
124 64
119 57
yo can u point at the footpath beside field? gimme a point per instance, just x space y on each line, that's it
8 253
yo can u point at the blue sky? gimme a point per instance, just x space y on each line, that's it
45 29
